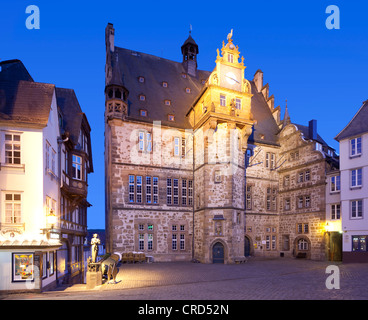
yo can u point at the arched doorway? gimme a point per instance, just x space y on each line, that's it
302 247
218 253
246 246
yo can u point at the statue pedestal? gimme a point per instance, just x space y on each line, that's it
94 278
94 275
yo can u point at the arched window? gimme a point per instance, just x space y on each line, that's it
302 244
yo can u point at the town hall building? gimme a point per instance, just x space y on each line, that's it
200 166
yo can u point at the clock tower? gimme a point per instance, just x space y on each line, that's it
222 121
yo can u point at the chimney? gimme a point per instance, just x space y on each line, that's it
109 37
313 129
258 80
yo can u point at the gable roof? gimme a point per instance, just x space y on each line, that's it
357 125
265 130
25 102
14 70
155 71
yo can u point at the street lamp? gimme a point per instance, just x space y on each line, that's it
51 219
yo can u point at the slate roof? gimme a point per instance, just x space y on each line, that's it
357 126
25 102
265 125
72 112
156 70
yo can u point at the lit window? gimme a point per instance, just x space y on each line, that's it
356 146
187 90
13 207
183 75
230 57
142 97
168 102
360 243
164 84
171 117
12 148
141 79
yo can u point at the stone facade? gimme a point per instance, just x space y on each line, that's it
225 180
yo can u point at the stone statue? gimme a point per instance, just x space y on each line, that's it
94 243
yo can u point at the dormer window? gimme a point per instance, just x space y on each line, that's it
141 79
184 75
168 102
143 113
187 90
142 97
203 81
164 84
171 117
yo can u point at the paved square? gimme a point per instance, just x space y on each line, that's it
265 279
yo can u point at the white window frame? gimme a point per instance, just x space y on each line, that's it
335 211
356 178
335 183
355 146
12 147
15 216
77 167
354 209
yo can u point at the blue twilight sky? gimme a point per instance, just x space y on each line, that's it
322 73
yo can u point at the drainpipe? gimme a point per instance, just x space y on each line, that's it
60 141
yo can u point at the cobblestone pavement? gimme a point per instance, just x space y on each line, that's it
266 279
